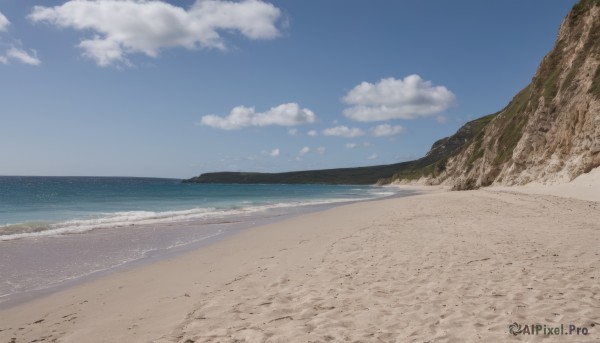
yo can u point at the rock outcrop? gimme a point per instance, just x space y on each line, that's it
550 131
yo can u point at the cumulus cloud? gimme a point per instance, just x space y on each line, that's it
4 23
373 157
304 151
14 53
386 130
390 98
241 116
293 132
21 56
274 152
312 133
343 131
321 150
123 27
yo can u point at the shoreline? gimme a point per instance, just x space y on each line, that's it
227 228
453 266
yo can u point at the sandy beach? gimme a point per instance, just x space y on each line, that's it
436 267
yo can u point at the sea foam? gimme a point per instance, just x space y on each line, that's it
134 218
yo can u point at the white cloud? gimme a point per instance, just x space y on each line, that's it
124 27
441 119
274 152
293 132
355 145
312 133
242 116
343 131
304 151
4 23
321 150
21 56
373 157
386 130
390 98
16 54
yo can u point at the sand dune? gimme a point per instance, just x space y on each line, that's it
584 187
443 267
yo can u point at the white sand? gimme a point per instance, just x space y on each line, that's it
585 187
441 267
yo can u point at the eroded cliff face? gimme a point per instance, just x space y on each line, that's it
550 131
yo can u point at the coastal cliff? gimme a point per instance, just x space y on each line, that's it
549 132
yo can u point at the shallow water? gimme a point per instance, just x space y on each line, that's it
42 206
57 230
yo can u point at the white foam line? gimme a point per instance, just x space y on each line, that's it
120 219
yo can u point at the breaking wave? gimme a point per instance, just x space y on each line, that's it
134 218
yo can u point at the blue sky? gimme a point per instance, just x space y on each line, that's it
175 89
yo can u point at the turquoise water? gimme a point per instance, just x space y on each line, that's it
42 206
58 230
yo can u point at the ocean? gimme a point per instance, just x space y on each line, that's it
58 229
40 206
